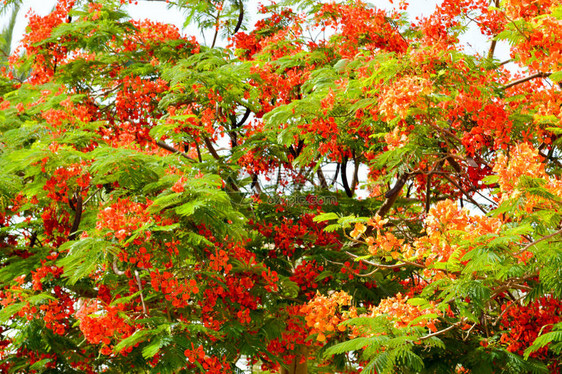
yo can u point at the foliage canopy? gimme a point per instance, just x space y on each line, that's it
339 189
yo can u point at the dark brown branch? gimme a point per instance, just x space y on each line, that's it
392 194
211 149
550 158
344 181
240 17
355 179
454 164
169 148
335 178
256 184
77 217
526 79
244 118
33 239
217 28
198 152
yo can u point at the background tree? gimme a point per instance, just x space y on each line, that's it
169 206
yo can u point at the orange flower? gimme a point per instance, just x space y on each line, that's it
358 230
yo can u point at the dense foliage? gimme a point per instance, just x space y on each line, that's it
339 189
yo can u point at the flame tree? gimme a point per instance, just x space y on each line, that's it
169 206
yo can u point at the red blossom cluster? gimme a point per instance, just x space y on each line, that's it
102 324
524 323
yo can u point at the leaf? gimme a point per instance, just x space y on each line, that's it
348 346
556 77
138 337
152 349
325 217
40 364
84 257
8 311
543 341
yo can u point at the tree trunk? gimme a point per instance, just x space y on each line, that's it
296 367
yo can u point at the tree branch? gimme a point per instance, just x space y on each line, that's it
211 148
538 241
335 178
169 148
256 184
321 177
115 268
139 283
345 184
526 79
355 179
77 216
240 17
392 194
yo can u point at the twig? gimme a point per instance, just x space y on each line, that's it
217 28
92 195
382 266
538 241
465 193
515 302
428 193
368 274
442 331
